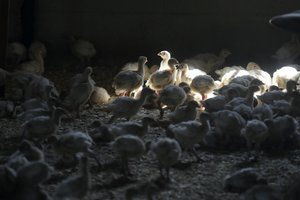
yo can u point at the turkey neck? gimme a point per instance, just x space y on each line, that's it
173 72
164 62
205 124
141 70
250 95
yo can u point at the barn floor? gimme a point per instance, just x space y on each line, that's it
189 179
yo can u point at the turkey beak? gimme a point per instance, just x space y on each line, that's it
179 66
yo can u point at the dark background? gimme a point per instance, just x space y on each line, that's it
123 30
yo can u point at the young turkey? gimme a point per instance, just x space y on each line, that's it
242 180
75 187
128 146
161 78
83 50
184 112
42 127
185 74
132 128
190 133
35 65
100 96
35 47
208 62
167 152
288 52
282 75
130 82
126 106
228 125
203 85
172 96
255 132
80 92
74 142
16 53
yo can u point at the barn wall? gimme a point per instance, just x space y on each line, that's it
130 28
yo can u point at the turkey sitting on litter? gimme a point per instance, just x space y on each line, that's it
100 96
16 53
42 127
80 92
283 74
289 51
16 85
255 71
227 74
208 62
35 47
40 87
242 180
34 103
127 83
35 65
22 86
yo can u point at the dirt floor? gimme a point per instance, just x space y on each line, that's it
189 179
